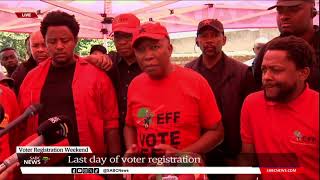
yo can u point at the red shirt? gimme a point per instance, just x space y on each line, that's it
284 128
11 110
94 100
172 110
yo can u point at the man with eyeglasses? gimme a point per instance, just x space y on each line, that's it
124 63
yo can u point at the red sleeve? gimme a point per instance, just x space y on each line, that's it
108 102
209 111
245 128
15 112
10 104
15 106
129 117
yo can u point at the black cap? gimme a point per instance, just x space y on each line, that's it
214 23
100 48
286 3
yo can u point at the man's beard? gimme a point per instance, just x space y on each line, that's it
284 94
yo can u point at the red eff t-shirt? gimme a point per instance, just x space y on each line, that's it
292 127
172 110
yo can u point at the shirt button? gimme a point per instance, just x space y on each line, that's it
122 112
127 85
128 72
124 98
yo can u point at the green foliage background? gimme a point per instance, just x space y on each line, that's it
16 41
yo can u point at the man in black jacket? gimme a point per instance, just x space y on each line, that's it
296 18
39 53
231 81
124 63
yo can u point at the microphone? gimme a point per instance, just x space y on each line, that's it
51 131
30 111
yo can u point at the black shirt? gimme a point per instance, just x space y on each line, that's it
21 72
231 81
57 98
121 75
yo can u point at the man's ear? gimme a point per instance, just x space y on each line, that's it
197 43
304 73
314 12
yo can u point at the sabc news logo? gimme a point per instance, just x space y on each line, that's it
85 170
36 160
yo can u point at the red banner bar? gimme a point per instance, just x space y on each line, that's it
26 15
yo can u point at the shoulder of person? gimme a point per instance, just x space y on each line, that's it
190 75
255 98
139 80
236 67
88 68
192 63
313 94
39 68
21 70
6 91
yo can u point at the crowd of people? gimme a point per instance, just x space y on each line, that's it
136 101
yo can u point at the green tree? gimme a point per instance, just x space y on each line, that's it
14 40
17 41
110 45
84 45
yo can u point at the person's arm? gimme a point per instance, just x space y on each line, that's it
11 170
103 62
247 160
247 157
210 122
112 141
13 112
209 119
130 136
107 102
130 131
210 139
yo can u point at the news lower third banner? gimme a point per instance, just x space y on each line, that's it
81 160
140 170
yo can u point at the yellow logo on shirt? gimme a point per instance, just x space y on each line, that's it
5 121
